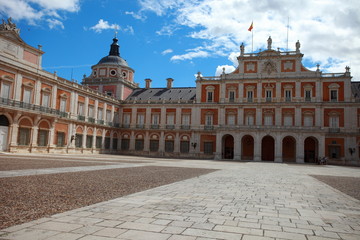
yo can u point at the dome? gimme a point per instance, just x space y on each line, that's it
113 60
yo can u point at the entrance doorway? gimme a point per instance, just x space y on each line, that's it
310 150
4 132
228 147
247 148
268 148
289 149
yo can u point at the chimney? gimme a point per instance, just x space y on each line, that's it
169 82
148 83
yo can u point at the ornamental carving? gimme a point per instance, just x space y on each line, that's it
9 26
269 67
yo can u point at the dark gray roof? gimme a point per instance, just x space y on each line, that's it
113 60
355 88
168 94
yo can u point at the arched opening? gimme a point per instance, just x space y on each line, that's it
310 150
267 148
289 149
228 147
247 147
43 133
4 132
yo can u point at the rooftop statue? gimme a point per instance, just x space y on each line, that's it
9 26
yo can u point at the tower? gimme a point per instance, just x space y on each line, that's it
112 75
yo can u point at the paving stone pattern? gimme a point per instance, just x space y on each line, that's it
241 201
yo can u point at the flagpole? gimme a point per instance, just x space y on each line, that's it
252 41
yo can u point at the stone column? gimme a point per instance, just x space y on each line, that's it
84 138
178 118
257 148
177 143
222 116
278 92
147 117
53 97
298 90
161 144
241 93
132 141
259 91
277 116
298 116
218 146
37 92
146 142
237 146
86 107
17 87
300 150
52 134
278 148
94 138
240 116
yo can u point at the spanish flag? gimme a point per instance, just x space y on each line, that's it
251 27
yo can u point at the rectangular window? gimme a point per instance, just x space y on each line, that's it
100 114
231 119
78 140
288 120
139 144
125 144
185 118
116 117
63 104
45 100
27 95
155 119
231 96
308 121
249 120
334 152
169 146
288 95
91 111
140 119
81 108
268 95
126 118
170 119
108 116
333 95
209 96
60 142
5 91
268 120
184 146
208 148
154 145
250 95
209 120
43 138
107 142
89 140
334 121
98 143
24 136
307 95
115 143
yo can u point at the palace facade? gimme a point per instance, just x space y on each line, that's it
271 108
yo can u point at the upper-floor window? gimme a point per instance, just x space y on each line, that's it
116 117
185 119
288 95
155 119
268 120
81 108
249 119
170 119
231 119
140 119
126 118
108 116
308 120
27 95
231 96
268 95
307 95
45 99
210 96
5 90
63 104
334 95
91 111
334 121
250 96
100 114
288 120
209 119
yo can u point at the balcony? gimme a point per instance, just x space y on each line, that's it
91 120
307 99
268 99
154 126
209 127
170 126
110 124
287 99
100 121
141 126
185 127
125 125
117 125
334 130
81 117
250 100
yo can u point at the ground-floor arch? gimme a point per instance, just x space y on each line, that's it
247 148
228 147
289 149
267 148
311 146
4 132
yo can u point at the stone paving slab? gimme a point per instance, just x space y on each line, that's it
241 201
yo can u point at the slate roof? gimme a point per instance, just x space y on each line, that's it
167 94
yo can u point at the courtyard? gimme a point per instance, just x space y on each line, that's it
106 197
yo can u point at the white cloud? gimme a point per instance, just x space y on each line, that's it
104 25
222 68
167 30
167 51
53 23
327 29
37 11
137 16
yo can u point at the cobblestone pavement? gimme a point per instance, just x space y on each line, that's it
240 201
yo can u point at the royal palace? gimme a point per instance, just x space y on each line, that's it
271 108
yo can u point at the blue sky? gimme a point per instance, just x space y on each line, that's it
178 38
